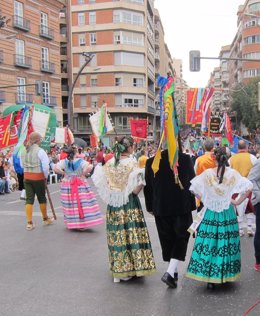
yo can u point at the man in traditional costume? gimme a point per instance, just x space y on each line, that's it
167 194
171 206
35 163
243 162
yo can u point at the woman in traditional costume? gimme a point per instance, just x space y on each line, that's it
118 182
79 203
216 252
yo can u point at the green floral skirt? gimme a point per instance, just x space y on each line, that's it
130 251
216 253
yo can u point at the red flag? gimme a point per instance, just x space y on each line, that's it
93 141
9 129
138 128
229 130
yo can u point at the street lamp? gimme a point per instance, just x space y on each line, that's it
88 58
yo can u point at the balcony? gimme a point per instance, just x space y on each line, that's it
49 101
23 98
46 32
2 96
20 23
46 66
1 56
23 61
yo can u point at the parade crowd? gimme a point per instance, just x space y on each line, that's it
220 188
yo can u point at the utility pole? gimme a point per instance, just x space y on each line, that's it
88 58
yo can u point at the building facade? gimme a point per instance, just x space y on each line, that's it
245 45
29 54
120 37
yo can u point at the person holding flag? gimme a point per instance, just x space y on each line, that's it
167 195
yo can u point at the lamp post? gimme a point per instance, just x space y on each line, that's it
88 58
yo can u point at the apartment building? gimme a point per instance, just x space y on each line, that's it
30 53
246 44
120 36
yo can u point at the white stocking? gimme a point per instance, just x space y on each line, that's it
173 267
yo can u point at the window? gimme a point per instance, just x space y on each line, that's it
46 92
44 19
21 89
81 38
252 39
92 17
92 1
251 73
129 59
129 17
19 47
81 18
83 101
122 122
94 101
93 82
117 39
93 60
93 38
81 1
19 50
83 122
135 102
18 9
138 82
82 60
45 58
118 81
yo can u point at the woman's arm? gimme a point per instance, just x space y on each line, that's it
241 198
138 189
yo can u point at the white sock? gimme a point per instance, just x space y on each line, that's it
173 267
23 194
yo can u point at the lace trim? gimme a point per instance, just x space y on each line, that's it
116 198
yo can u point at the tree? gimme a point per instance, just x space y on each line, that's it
245 104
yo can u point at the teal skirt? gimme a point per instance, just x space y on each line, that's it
216 253
129 246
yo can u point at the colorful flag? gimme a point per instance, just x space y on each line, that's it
206 108
171 128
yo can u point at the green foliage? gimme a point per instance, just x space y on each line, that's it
245 103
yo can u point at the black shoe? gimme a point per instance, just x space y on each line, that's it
169 280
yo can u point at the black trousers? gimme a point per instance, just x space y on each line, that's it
173 235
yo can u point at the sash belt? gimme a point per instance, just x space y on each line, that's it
75 183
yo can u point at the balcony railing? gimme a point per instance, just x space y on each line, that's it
23 98
49 101
46 66
21 23
2 96
1 56
22 61
46 32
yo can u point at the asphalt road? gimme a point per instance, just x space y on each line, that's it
53 271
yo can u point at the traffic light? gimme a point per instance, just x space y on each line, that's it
38 87
194 60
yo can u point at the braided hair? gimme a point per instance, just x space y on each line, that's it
71 151
222 159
